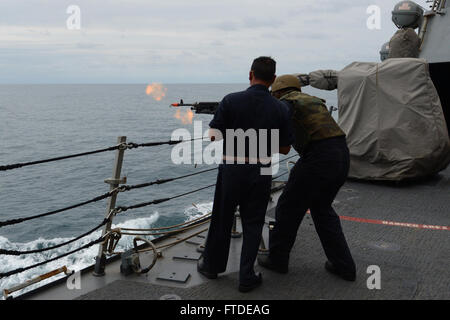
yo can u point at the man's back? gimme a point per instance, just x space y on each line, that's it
254 109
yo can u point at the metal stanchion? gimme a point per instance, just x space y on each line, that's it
114 183
262 247
234 232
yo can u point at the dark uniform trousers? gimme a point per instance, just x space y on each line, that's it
243 185
313 184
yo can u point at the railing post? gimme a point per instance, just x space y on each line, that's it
114 183
234 232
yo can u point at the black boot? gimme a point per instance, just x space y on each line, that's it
249 287
349 276
268 263
201 268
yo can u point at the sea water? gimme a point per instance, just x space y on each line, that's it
45 121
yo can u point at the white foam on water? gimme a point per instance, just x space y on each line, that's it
198 210
76 261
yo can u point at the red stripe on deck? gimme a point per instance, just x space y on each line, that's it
395 224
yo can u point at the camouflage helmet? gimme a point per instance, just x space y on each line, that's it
286 81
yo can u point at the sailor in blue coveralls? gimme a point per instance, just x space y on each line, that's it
242 184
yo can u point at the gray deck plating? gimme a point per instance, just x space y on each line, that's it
414 263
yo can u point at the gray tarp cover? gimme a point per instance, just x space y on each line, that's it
404 44
323 79
393 119
320 79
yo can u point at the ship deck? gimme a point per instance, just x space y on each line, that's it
413 259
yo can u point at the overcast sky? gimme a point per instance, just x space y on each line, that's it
180 41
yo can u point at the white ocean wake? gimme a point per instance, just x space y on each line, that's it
76 261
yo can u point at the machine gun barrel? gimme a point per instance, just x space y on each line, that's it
199 107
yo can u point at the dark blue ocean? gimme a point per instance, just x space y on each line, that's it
44 121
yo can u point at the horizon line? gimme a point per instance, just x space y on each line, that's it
118 83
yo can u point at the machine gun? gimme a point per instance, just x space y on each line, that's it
211 107
199 107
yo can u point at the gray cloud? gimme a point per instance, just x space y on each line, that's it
87 45
182 41
226 25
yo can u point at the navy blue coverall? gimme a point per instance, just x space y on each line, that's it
243 184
